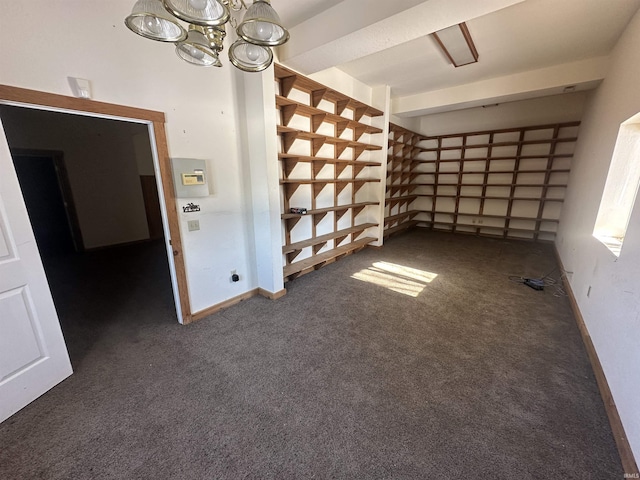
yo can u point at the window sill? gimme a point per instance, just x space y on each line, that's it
614 244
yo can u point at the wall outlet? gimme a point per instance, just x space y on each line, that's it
234 276
193 225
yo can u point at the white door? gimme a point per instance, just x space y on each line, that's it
33 355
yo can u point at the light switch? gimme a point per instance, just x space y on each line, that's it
193 225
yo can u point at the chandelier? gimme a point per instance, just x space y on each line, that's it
202 41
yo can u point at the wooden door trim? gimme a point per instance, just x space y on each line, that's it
53 100
25 97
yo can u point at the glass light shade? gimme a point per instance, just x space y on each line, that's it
250 57
261 25
196 50
150 20
199 12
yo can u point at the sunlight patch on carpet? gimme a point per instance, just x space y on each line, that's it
398 278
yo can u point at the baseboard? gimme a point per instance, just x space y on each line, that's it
626 454
235 300
221 306
271 295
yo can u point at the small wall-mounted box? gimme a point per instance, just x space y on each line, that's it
195 178
190 177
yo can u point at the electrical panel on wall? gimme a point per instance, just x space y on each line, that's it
190 177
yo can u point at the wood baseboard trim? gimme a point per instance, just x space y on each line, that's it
221 306
626 454
271 295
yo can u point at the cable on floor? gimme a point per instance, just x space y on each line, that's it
540 283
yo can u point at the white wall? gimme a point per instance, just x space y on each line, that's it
101 165
410 123
88 39
345 83
262 181
537 111
612 307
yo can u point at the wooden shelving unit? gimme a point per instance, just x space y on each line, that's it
326 167
402 160
509 183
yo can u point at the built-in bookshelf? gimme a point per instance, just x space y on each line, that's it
403 155
328 147
509 183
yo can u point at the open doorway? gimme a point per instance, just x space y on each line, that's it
90 190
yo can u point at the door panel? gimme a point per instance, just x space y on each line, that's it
33 355
19 324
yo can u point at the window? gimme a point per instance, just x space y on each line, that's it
621 188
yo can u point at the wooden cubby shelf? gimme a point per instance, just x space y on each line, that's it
515 179
403 152
332 133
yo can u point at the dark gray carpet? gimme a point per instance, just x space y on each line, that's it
477 377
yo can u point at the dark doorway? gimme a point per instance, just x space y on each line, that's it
92 199
51 210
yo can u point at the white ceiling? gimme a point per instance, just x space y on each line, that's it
293 12
513 37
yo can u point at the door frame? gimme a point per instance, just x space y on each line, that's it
155 121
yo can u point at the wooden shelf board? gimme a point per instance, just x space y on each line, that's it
506 130
504 144
484 159
399 228
309 111
305 158
307 85
305 181
400 216
320 211
500 217
406 198
325 238
315 260
490 172
328 139
491 197
502 229
517 185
